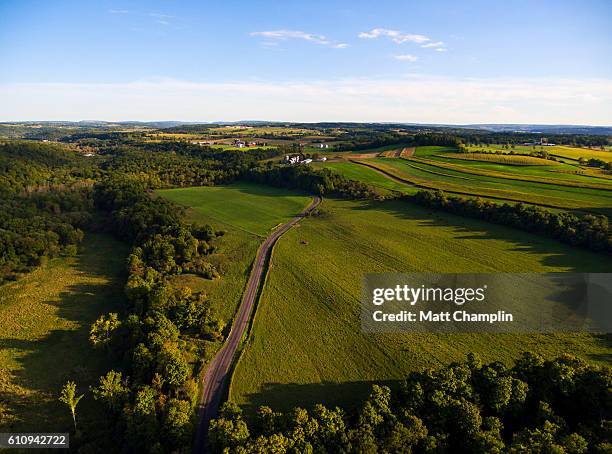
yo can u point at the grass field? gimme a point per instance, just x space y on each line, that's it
247 212
570 173
560 176
357 172
252 208
306 344
44 334
574 153
514 160
455 179
493 181
515 178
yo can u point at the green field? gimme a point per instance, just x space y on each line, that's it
306 345
44 334
247 213
573 153
435 168
357 172
453 179
252 208
506 159
568 172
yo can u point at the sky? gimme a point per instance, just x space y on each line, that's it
436 61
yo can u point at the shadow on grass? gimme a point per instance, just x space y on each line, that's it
256 189
348 395
605 340
45 364
285 396
553 252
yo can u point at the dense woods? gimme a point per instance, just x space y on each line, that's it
320 182
589 231
164 330
41 226
556 406
45 203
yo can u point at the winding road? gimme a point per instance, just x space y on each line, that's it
217 371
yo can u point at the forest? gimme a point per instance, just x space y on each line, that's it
537 406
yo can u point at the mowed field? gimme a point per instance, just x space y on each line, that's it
567 171
454 178
573 153
247 213
505 178
307 346
44 334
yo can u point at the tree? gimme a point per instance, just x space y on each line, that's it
177 423
229 430
102 329
69 397
112 390
173 367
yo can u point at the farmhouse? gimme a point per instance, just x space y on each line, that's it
292 159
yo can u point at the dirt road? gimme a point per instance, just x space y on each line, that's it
217 371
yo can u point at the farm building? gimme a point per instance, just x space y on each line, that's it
292 159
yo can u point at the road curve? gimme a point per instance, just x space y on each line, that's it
217 371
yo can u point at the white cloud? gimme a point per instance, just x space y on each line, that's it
438 46
418 98
282 35
400 38
433 44
406 57
395 36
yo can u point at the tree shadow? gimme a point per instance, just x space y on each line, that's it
258 189
552 252
46 363
605 341
285 396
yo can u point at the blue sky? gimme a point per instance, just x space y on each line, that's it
413 61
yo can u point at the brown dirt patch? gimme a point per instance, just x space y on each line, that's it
407 152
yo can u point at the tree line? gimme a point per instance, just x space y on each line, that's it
316 181
158 341
594 162
588 231
560 406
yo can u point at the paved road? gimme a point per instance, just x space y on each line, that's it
217 371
